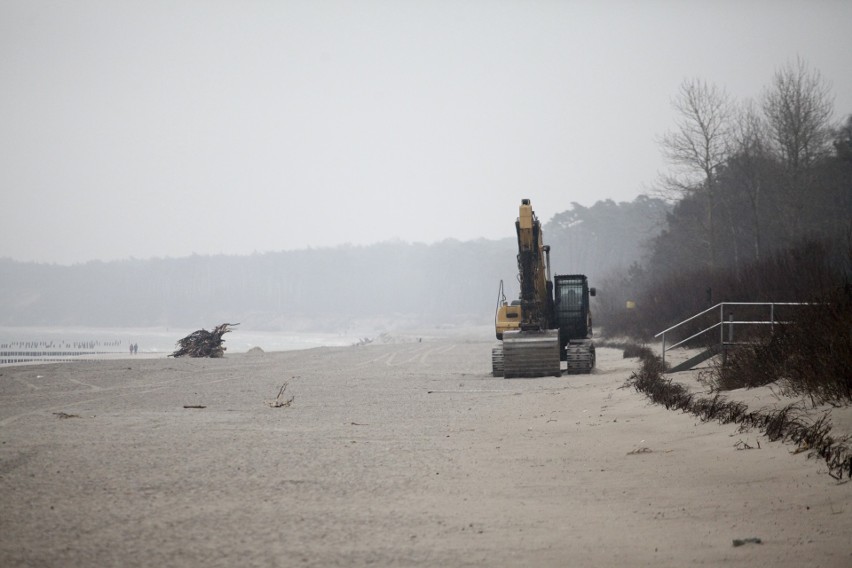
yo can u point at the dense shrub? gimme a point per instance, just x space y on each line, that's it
799 274
811 355
635 350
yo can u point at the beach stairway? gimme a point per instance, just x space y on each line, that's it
693 362
755 315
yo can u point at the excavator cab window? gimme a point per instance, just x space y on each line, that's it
572 305
570 296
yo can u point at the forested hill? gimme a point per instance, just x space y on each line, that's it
322 289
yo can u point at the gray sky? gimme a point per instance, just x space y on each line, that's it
166 128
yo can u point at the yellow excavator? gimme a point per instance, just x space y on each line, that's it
551 322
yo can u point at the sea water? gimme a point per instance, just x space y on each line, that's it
46 344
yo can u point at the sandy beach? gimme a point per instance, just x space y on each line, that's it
399 454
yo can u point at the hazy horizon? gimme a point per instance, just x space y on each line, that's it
166 129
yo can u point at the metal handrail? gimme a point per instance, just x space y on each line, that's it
690 337
722 322
689 319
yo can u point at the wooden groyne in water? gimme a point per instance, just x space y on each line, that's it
53 351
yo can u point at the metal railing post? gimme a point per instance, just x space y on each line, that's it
772 318
730 328
730 338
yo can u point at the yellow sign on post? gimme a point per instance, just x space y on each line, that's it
631 304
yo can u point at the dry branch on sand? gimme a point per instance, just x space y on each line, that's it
280 400
203 343
64 415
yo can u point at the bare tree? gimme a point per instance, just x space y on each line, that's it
748 162
798 106
698 146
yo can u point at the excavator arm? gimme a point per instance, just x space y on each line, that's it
533 271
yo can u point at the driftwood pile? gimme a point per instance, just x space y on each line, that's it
203 343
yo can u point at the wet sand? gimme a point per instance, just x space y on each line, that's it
406 454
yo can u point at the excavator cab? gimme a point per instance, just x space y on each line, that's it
572 305
574 319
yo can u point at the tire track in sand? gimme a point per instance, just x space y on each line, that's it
420 354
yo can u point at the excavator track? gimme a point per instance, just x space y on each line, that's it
497 361
531 354
580 356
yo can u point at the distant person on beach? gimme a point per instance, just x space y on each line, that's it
131 349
